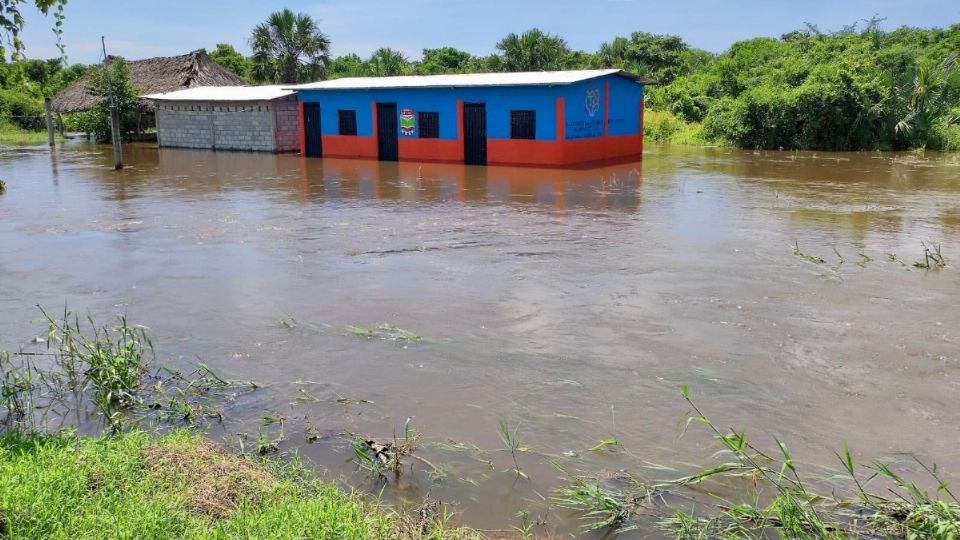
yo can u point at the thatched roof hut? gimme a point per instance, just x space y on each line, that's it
153 76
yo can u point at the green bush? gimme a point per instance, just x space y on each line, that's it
664 126
21 110
946 137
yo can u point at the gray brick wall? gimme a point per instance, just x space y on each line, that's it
262 126
287 119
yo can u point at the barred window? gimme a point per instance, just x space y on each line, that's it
348 122
429 125
523 124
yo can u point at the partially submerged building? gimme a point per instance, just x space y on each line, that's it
537 118
253 118
152 76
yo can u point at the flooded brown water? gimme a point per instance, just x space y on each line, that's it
574 302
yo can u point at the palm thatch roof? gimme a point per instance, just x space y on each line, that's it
153 76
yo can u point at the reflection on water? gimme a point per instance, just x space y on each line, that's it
612 187
574 302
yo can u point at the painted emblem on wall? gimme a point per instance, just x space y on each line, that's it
408 122
592 102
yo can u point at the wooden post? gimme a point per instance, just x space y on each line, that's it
46 107
115 136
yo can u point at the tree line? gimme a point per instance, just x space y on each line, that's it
860 88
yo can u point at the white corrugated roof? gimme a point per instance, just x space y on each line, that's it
224 93
528 78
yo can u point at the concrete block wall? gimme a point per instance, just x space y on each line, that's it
287 121
260 126
243 126
184 125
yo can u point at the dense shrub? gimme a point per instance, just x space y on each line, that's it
21 110
663 126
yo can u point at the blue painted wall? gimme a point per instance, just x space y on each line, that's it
625 96
624 107
583 116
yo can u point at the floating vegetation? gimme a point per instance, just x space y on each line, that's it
289 323
813 259
892 257
603 504
864 259
609 442
385 331
381 457
353 401
361 331
933 259
3 187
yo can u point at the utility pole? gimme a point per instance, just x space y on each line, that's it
114 115
46 107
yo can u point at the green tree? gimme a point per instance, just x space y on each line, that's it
230 58
289 48
927 100
348 65
111 82
11 24
387 62
660 57
533 50
445 60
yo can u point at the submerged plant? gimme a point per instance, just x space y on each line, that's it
110 362
603 503
377 458
813 259
795 511
3 186
17 386
386 332
512 444
106 368
933 259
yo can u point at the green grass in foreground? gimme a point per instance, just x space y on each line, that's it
176 486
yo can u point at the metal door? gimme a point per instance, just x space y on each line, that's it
475 133
311 130
387 132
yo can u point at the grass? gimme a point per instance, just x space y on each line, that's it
933 259
16 136
512 444
601 504
772 498
137 485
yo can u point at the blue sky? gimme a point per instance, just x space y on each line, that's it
140 29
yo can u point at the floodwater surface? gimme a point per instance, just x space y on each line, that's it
575 303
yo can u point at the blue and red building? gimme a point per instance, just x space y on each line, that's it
538 118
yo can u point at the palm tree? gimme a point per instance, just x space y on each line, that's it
289 48
534 50
386 62
928 100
